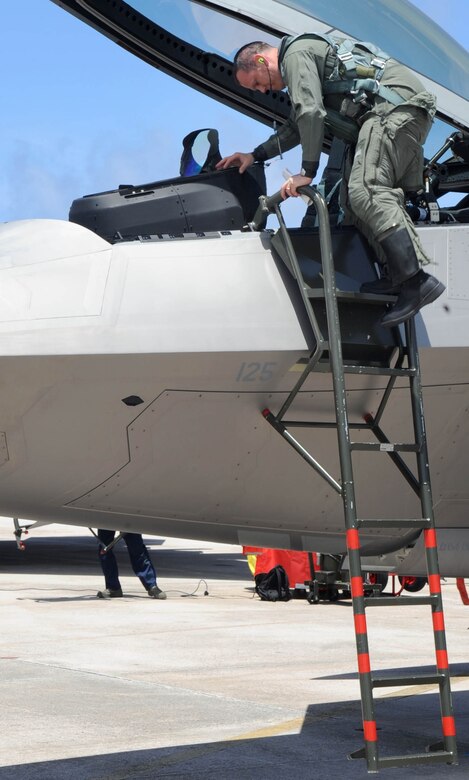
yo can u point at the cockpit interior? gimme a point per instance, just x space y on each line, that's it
201 200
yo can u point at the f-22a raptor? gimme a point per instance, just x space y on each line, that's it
141 340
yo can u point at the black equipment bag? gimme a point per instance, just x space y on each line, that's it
273 585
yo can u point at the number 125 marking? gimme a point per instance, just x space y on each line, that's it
255 372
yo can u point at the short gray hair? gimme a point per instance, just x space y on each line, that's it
243 57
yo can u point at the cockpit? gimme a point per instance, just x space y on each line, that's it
202 200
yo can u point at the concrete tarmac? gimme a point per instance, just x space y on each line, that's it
219 686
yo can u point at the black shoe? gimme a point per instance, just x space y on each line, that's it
382 286
156 593
416 292
109 594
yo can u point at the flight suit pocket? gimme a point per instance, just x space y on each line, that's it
413 121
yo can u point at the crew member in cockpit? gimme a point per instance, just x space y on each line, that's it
387 117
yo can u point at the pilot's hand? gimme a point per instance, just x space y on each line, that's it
239 159
290 187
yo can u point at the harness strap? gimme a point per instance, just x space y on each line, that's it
349 76
355 87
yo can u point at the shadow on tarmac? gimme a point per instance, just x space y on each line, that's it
330 732
77 555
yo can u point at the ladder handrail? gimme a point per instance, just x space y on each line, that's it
335 352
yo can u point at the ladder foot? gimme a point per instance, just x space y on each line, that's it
356 754
439 747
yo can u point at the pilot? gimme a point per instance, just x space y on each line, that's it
385 160
139 559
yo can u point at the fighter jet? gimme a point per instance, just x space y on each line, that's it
141 340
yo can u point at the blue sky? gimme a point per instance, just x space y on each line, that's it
80 115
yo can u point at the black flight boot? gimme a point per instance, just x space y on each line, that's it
417 288
381 286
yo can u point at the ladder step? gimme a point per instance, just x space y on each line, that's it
347 295
438 757
379 371
419 522
401 601
414 679
371 446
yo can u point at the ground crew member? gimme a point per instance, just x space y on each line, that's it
390 127
140 561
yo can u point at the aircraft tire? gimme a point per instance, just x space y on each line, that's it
413 584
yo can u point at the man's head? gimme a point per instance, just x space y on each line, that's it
256 67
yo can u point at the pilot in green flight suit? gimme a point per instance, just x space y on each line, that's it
387 159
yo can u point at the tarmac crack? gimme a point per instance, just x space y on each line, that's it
154 685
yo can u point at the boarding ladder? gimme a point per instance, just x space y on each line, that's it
406 366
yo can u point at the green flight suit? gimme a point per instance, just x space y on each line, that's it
387 160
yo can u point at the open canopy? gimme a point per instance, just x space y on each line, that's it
194 41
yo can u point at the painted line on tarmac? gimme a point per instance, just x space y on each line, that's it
191 752
274 730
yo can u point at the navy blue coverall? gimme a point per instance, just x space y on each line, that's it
139 559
